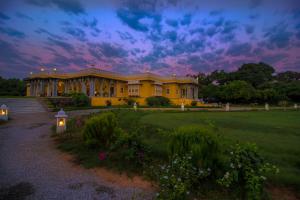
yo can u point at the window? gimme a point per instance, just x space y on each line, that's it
168 91
122 90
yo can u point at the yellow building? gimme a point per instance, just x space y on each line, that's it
102 86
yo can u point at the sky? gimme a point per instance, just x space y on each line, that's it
135 36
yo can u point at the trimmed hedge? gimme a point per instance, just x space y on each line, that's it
158 101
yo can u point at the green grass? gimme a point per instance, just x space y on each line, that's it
276 133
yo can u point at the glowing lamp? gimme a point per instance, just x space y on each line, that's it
61 119
4 112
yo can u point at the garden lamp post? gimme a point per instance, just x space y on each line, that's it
4 112
267 107
182 106
61 121
227 107
134 106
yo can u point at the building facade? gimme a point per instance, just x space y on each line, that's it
102 86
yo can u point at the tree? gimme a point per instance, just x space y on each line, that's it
255 74
288 76
237 92
12 87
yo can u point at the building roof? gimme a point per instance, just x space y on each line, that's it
94 72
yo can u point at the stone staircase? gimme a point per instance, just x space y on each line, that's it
22 105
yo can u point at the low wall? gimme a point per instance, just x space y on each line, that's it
101 101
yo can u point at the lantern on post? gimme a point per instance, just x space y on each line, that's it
182 106
4 112
227 107
267 107
61 121
135 106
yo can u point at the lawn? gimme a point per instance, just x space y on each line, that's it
276 133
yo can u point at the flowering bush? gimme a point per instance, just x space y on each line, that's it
102 156
176 180
247 170
130 148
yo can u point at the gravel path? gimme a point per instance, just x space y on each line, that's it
31 166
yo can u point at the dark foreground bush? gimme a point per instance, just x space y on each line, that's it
157 101
80 99
202 142
101 130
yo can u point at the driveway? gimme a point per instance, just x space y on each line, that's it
32 168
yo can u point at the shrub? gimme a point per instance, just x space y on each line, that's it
157 101
202 142
178 178
130 102
247 170
130 148
108 102
194 103
101 130
80 99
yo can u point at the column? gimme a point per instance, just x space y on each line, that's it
92 87
101 87
109 85
48 88
54 87
66 87
31 88
83 86
41 87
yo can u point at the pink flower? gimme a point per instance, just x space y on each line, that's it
102 156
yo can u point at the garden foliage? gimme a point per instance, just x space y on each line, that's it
101 130
201 141
247 170
158 101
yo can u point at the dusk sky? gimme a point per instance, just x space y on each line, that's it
163 36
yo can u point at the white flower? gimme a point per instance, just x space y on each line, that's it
263 178
188 192
179 179
226 174
232 165
157 194
208 169
231 153
239 165
166 177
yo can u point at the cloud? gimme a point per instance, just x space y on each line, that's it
196 30
64 45
106 50
171 35
215 12
278 36
127 36
3 16
23 16
211 31
229 26
69 6
133 19
12 32
75 32
249 29
242 49
41 30
172 22
274 58
187 19
91 24
255 3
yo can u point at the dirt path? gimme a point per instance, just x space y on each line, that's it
31 166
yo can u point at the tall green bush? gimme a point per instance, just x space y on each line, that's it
101 130
80 99
201 141
158 101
